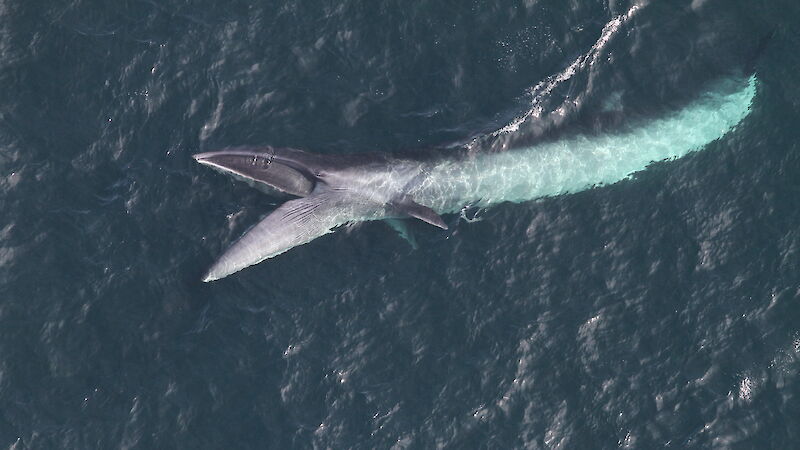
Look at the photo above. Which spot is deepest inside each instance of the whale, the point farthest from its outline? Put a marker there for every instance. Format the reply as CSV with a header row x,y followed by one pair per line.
x,y
327,191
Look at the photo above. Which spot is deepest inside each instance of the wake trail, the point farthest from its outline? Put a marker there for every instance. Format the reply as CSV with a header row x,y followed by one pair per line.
x,y
544,88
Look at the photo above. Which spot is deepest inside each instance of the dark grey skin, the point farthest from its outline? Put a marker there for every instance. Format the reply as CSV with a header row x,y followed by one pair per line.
x,y
330,191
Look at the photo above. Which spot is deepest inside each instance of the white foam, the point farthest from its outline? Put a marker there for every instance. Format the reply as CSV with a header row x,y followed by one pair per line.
x,y
543,89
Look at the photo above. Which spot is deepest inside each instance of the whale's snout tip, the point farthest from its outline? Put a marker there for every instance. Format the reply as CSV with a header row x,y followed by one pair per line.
x,y
211,275
201,157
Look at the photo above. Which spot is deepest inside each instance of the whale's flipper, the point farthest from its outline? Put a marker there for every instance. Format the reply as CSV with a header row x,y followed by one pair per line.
x,y
294,223
413,209
402,229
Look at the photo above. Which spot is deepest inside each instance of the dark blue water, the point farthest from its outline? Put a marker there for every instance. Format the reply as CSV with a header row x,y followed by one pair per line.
x,y
663,310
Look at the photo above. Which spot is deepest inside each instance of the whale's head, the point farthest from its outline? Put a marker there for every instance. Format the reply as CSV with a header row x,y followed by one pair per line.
x,y
261,169
334,190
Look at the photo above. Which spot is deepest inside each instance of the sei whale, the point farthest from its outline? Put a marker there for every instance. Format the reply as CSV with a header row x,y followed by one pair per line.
x,y
337,190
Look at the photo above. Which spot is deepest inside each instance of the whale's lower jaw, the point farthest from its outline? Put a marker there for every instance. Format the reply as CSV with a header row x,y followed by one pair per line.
x,y
547,169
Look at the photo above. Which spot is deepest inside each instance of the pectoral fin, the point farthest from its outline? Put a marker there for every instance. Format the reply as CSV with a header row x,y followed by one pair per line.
x,y
421,212
402,229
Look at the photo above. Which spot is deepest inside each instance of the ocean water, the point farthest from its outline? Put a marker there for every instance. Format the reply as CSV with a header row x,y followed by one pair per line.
x,y
662,310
